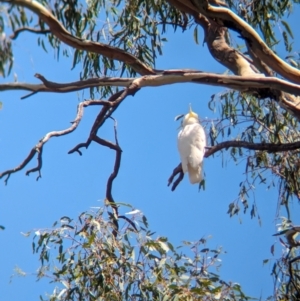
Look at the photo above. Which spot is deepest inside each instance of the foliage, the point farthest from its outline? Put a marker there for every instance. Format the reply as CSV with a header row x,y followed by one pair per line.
x,y
253,119
86,261
137,27
90,259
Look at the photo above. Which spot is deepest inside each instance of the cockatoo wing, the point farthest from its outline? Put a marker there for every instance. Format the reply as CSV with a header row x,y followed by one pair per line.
x,y
191,146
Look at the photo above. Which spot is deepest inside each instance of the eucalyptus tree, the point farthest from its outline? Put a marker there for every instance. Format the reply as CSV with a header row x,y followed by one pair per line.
x,y
117,59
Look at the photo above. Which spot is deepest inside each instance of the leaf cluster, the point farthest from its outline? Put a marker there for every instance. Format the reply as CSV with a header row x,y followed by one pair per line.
x,y
253,119
267,16
87,262
136,26
6,52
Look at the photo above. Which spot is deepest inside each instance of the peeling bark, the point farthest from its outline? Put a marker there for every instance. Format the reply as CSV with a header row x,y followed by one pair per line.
x,y
229,19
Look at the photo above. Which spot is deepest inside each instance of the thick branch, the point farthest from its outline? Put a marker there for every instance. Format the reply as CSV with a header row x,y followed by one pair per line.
x,y
257,45
62,34
270,86
167,77
216,39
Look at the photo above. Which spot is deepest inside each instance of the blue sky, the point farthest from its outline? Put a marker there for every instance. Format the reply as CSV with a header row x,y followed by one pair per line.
x,y
147,134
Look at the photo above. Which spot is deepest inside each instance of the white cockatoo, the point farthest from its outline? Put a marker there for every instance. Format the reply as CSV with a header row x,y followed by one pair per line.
x,y
191,146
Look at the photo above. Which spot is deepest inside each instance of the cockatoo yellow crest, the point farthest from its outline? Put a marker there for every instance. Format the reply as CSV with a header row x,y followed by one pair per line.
x,y
191,146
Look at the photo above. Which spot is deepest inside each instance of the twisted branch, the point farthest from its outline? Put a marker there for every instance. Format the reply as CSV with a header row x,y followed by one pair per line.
x,y
114,101
230,20
38,148
115,146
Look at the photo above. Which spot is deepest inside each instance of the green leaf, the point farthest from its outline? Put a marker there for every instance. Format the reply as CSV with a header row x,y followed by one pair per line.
x,y
178,117
65,219
265,261
288,29
196,34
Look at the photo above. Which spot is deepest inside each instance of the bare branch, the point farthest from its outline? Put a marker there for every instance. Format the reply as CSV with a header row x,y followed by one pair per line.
x,y
112,176
65,36
166,77
38,168
82,84
32,30
49,86
106,111
21,166
279,90
39,147
112,104
268,147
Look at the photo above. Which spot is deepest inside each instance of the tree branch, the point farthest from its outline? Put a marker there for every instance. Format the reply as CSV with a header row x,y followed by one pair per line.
x,y
112,176
25,28
39,147
258,46
65,36
279,90
114,101
166,77
106,111
268,147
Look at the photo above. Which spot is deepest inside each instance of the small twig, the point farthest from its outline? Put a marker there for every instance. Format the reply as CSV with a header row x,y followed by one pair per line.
x,y
32,30
106,143
115,130
28,95
80,145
